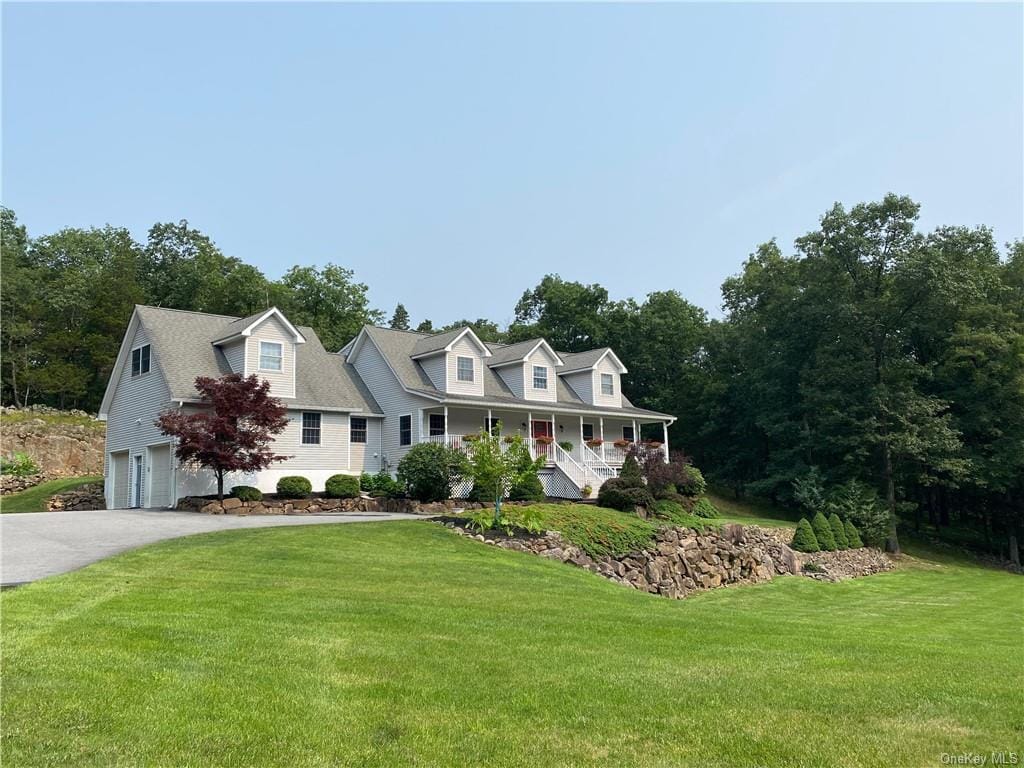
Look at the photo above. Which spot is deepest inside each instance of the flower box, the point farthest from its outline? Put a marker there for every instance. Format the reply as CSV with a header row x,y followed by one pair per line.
x,y
595,443
654,443
622,443
544,440
471,438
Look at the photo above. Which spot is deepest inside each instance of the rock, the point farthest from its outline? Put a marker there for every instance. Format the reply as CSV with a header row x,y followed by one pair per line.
x,y
231,503
213,508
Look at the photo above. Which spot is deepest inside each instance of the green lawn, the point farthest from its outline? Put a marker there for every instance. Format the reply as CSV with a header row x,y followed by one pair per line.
x,y
385,644
35,498
751,511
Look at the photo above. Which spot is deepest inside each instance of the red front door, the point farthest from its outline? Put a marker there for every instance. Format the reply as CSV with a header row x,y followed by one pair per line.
x,y
542,429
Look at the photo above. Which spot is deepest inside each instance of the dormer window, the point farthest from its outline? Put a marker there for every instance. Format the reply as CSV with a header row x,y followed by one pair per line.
x,y
540,377
271,353
465,368
608,384
140,360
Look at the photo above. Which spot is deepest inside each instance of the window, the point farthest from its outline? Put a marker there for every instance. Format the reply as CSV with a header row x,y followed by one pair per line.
x,y
588,431
627,433
436,424
607,384
357,429
311,429
540,377
405,430
465,368
270,356
491,425
140,360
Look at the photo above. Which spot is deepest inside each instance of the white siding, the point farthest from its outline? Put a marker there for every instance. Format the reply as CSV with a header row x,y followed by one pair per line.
x,y
282,383
235,355
614,401
136,403
540,357
332,453
465,348
393,400
512,375
434,367
365,457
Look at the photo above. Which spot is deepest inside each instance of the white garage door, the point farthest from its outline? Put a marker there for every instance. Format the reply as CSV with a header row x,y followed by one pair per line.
x,y
119,466
160,476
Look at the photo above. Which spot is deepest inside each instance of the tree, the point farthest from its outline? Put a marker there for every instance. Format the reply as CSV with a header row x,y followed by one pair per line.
x,y
328,300
571,316
400,319
496,466
483,328
425,327
232,430
804,539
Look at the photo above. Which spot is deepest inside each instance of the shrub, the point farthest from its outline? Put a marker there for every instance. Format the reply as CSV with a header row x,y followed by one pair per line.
x,y
676,513
247,493
838,531
366,482
852,535
704,508
294,487
692,482
527,487
804,539
341,487
385,485
19,465
860,504
429,470
566,446
630,473
586,491
622,494
823,533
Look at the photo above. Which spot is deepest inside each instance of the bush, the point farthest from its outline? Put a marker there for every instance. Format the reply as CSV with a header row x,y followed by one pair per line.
x,y
823,533
19,465
566,446
622,494
630,473
838,532
366,482
247,493
859,503
704,508
852,535
429,470
527,487
804,539
294,487
692,482
342,487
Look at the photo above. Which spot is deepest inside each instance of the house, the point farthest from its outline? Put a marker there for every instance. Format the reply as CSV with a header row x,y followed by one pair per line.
x,y
361,408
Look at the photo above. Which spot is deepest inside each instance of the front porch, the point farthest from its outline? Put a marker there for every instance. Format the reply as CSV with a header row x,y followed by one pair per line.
x,y
581,450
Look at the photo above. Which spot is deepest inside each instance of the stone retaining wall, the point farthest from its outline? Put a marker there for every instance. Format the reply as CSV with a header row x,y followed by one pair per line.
x,y
274,506
681,561
87,497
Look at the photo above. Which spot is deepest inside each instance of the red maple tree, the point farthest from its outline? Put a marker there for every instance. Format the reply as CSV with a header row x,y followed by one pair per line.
x,y
233,429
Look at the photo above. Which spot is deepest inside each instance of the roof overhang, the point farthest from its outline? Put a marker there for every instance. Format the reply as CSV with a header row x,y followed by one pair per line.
x,y
607,353
520,360
119,363
297,337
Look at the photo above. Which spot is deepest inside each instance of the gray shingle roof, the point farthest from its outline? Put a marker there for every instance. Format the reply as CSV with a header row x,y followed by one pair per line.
x,y
435,342
509,353
581,361
182,343
398,346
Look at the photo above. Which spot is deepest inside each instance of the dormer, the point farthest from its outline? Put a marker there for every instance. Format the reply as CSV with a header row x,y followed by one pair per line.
x,y
454,361
529,368
264,344
595,376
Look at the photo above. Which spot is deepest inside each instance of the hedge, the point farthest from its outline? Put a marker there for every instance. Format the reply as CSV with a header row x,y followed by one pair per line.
x,y
294,487
342,487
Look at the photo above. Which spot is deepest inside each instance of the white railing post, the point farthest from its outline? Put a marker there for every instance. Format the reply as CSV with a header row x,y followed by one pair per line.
x,y
664,431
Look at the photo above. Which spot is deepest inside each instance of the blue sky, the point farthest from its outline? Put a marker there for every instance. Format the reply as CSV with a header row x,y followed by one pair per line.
x,y
454,154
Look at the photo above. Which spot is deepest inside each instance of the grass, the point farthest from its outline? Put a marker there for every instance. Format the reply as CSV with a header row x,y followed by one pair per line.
x,y
596,530
35,498
382,644
751,512
62,418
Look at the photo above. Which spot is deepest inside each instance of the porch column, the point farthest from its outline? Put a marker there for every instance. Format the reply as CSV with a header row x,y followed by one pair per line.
x,y
554,429
419,426
664,431
446,424
636,437
487,426
601,421
582,441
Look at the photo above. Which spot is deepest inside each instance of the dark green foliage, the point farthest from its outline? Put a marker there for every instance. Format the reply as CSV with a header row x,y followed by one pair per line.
x,y
366,482
675,477
853,539
429,470
527,487
566,446
704,508
400,319
247,493
804,539
294,487
838,531
860,504
624,494
342,487
823,533
692,482
630,473
595,530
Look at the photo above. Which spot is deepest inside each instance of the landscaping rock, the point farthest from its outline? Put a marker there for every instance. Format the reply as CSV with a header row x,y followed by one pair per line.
x,y
87,497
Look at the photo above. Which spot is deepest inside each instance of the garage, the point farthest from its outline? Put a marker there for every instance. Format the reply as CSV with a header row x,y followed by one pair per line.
x,y
119,467
160,475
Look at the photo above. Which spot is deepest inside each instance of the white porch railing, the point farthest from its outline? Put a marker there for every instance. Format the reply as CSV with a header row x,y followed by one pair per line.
x,y
595,463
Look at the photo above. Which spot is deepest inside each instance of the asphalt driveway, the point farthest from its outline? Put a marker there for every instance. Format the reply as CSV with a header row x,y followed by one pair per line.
x,y
34,545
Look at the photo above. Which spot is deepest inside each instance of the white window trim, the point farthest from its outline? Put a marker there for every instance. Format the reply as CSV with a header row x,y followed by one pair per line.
x,y
400,417
459,370
366,430
534,377
612,377
302,429
131,357
280,356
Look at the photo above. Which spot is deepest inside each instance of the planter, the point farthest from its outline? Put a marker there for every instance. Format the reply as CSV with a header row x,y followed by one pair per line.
x,y
622,444
654,444
595,443
544,440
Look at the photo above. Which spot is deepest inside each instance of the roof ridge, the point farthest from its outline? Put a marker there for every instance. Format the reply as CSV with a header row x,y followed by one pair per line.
x,y
187,311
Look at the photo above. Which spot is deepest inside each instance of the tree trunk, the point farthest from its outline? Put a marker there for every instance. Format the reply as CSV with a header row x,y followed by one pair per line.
x,y
1014,550
892,541
497,507
220,485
